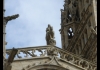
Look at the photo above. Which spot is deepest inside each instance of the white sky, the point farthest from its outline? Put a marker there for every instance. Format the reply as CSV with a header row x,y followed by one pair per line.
x,y
29,29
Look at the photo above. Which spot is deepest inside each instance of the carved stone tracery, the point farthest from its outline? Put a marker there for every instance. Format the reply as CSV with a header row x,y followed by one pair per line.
x,y
54,51
71,8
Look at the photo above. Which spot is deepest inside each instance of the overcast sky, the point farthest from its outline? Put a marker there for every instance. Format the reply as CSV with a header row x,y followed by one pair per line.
x,y
29,29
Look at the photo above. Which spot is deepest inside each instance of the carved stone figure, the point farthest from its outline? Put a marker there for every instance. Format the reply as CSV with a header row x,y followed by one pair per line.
x,y
8,18
52,42
49,34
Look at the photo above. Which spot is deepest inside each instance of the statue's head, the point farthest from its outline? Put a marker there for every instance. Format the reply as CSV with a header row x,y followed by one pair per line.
x,y
48,25
17,15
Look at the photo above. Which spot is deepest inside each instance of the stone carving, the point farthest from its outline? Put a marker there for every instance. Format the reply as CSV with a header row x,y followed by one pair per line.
x,y
71,7
50,35
5,20
93,30
52,42
74,10
43,54
8,18
69,58
54,51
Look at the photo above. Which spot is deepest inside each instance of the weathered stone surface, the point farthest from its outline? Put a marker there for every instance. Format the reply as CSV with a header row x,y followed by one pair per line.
x,y
79,45
81,17
5,21
50,35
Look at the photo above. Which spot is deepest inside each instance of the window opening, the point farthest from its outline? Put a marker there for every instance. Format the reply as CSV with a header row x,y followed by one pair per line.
x,y
70,33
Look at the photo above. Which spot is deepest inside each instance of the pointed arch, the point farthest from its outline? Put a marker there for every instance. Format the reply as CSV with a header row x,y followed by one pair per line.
x,y
70,32
47,67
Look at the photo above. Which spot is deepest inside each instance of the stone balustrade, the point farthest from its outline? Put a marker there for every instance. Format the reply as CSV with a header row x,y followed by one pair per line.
x,y
44,51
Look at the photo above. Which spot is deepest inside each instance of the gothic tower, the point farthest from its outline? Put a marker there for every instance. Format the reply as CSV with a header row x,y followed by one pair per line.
x,y
78,28
69,21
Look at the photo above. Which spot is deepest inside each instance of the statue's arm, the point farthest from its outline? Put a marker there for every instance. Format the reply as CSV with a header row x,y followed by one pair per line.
x,y
8,18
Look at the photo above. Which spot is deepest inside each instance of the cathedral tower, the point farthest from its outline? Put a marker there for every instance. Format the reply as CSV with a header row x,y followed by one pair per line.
x,y
69,21
78,28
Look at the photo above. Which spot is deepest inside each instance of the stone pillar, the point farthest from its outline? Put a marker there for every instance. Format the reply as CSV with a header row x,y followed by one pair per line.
x,y
95,11
5,20
4,43
3,29
4,55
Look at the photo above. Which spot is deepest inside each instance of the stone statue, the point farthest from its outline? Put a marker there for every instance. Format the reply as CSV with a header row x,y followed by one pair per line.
x,y
49,35
9,18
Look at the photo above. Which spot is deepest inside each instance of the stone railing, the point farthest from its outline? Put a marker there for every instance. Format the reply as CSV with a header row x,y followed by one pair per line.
x,y
42,51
